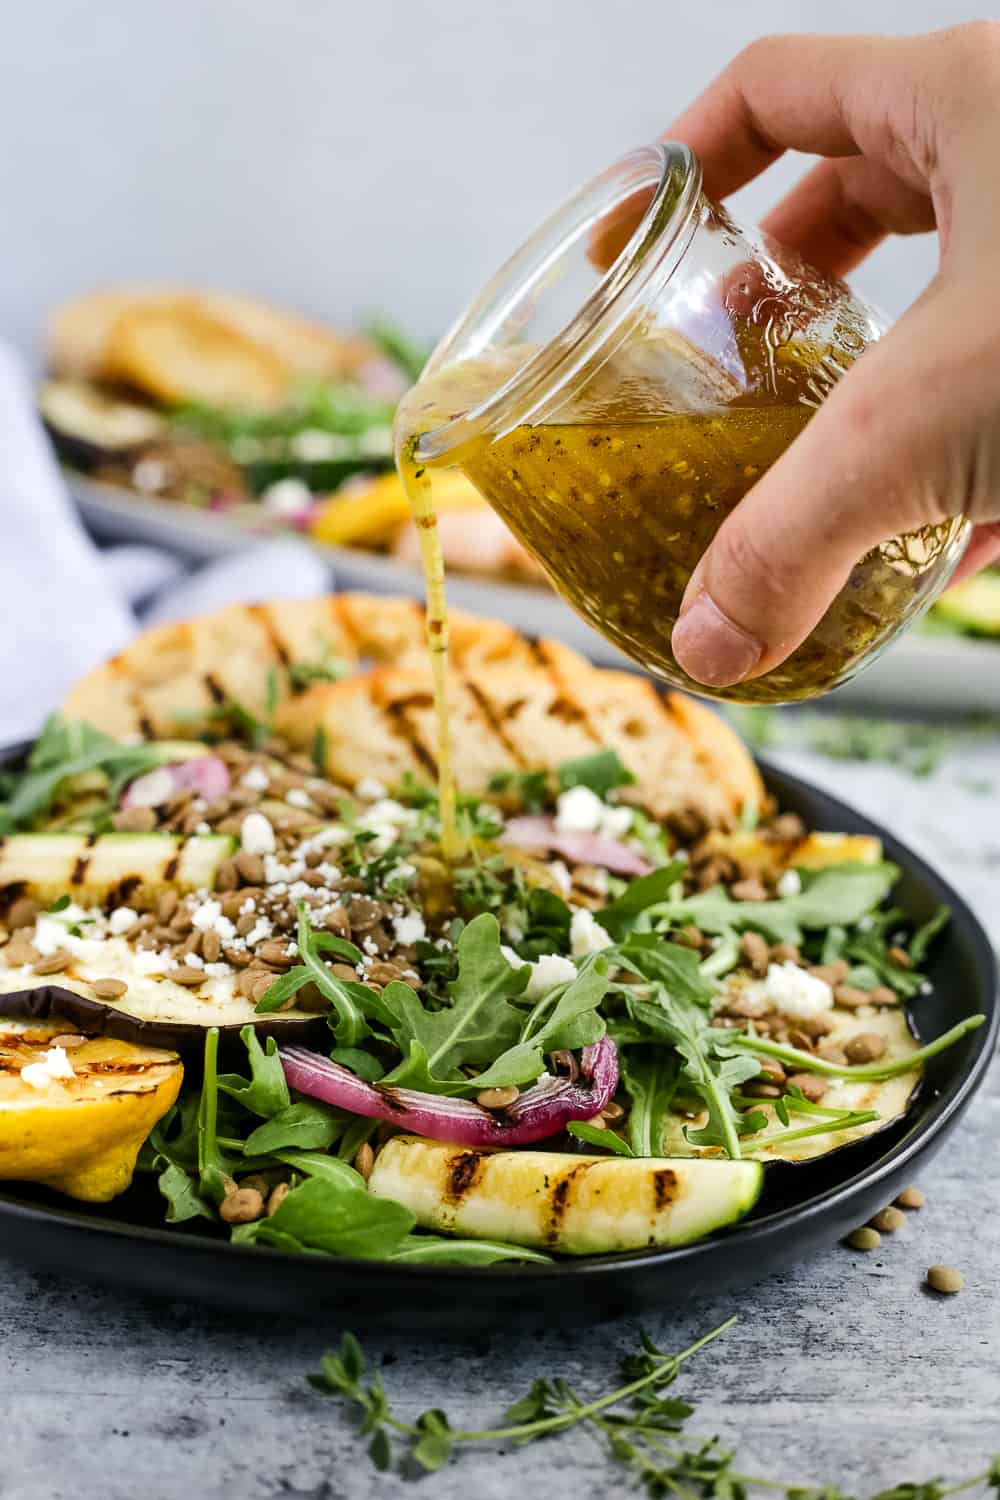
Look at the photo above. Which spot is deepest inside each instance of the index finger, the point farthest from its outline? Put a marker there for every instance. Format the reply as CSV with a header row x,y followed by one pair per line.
x,y
827,95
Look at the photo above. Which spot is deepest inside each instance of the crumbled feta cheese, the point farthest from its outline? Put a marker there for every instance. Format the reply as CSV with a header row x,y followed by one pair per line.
x,y
257,835
313,446
548,971
205,916
579,810
153,789
794,992
218,971
561,876
298,798
370,947
261,930
121,920
256,779
202,828
146,962
50,936
286,497
371,790
52,1064
586,935
385,819
193,961
409,928
790,884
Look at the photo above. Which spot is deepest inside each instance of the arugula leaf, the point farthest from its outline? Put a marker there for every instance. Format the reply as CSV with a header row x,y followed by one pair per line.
x,y
336,1217
532,788
712,1069
570,1022
601,772
365,1064
183,1199
837,896
350,1001
213,1170
307,1124
669,964
65,749
925,935
318,1164
594,1135
648,890
479,1022
547,924
650,1075
266,1092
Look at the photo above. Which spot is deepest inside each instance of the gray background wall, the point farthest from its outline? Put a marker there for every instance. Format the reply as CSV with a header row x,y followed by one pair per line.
x,y
344,157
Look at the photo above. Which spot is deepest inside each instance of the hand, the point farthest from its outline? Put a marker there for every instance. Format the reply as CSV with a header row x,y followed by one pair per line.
x,y
909,131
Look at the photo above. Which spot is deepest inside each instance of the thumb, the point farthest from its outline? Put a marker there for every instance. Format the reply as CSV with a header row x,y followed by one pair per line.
x,y
898,445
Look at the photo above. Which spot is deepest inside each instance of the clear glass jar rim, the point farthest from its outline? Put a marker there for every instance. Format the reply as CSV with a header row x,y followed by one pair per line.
x,y
652,253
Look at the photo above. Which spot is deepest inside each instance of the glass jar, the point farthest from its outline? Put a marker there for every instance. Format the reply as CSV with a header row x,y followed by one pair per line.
x,y
614,417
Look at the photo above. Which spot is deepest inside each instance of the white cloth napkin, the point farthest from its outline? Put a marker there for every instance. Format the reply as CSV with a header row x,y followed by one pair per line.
x,y
66,605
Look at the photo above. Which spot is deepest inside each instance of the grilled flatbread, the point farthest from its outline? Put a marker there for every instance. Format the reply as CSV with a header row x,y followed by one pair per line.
x,y
514,704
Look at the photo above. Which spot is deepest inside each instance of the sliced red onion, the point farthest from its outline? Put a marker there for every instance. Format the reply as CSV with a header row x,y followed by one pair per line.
x,y
541,1111
205,775
538,834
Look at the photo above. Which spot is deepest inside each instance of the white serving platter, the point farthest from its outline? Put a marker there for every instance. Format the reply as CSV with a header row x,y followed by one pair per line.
x,y
919,672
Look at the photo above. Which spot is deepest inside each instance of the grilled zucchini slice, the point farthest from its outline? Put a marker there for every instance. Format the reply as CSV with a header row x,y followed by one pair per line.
x,y
49,865
579,1205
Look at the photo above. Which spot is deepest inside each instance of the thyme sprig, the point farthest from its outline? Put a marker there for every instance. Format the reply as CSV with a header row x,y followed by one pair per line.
x,y
643,1430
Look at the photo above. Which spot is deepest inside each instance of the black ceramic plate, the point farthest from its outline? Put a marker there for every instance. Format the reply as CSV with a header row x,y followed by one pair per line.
x,y
802,1207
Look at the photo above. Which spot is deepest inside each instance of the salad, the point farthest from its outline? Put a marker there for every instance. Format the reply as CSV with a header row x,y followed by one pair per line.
x,y
232,966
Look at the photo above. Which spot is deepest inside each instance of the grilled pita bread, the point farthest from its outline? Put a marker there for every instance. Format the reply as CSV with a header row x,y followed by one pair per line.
x,y
175,345
514,705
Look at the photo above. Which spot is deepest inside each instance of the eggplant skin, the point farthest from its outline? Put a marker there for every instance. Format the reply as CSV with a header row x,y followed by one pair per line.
x,y
80,1136
97,1018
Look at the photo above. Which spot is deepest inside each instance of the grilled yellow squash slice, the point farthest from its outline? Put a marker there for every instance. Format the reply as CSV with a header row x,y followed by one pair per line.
x,y
74,1110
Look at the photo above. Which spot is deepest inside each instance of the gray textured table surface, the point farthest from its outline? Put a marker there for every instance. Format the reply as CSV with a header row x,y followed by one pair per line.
x,y
844,1370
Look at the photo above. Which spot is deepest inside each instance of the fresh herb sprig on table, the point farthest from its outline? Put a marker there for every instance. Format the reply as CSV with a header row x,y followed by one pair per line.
x,y
643,1430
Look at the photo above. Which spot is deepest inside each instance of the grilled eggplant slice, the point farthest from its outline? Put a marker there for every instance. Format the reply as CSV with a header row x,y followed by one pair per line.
x,y
153,1012
88,426
77,1125
48,865
579,1205
891,1098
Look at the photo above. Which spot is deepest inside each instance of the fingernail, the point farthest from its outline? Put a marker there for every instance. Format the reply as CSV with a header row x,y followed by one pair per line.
x,y
711,647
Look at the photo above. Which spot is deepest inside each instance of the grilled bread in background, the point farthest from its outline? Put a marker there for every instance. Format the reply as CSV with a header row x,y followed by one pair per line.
x,y
514,703
175,346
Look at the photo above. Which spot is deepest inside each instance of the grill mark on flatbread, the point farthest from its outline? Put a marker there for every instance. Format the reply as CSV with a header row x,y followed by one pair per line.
x,y
262,614
400,726
215,690
146,725
493,720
